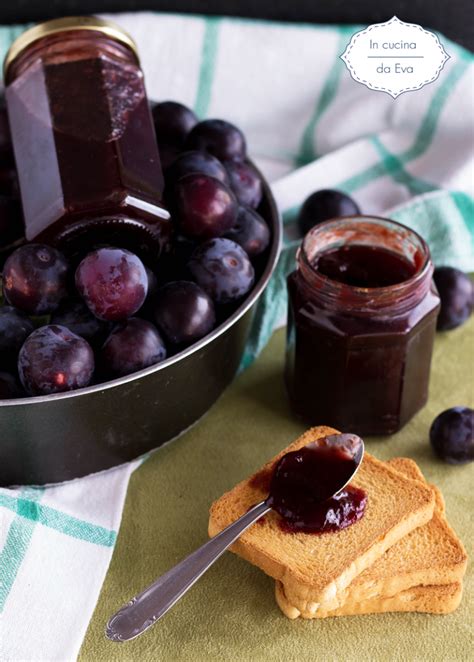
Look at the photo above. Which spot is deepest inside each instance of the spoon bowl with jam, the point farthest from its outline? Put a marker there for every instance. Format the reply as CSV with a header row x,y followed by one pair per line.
x,y
308,489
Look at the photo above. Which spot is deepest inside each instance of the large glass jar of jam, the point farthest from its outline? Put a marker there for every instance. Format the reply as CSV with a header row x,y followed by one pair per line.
x,y
83,137
361,325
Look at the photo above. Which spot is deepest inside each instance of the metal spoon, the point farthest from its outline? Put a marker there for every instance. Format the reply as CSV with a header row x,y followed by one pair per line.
x,y
147,607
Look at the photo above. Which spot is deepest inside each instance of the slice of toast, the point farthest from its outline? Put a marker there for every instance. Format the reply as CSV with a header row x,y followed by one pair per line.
x,y
436,599
429,555
316,567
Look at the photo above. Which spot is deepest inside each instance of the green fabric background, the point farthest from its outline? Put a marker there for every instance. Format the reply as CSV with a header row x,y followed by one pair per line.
x,y
231,614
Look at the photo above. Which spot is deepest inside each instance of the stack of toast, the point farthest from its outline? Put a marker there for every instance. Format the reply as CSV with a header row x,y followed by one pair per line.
x,y
401,556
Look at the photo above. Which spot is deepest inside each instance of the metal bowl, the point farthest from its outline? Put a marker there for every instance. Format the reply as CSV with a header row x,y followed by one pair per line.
x,y
50,439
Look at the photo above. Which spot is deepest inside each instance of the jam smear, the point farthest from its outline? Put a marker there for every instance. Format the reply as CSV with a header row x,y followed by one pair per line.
x,y
339,512
364,266
303,485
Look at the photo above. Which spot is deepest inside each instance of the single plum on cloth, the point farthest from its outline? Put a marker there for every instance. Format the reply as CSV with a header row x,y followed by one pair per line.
x,y
309,126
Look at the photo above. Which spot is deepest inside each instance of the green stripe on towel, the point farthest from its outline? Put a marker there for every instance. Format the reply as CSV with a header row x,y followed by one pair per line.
x,y
423,139
465,206
415,185
208,62
18,538
59,521
308,151
29,513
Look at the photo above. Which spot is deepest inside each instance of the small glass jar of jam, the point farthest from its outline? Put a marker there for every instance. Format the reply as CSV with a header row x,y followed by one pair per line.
x,y
361,325
83,137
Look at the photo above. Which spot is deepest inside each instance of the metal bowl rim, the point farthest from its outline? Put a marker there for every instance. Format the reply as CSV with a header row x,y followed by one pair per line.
x,y
195,347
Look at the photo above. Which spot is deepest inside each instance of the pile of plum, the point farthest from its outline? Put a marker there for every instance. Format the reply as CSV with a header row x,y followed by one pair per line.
x,y
66,324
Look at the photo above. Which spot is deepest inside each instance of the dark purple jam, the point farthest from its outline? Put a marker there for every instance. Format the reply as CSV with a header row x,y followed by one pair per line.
x,y
339,512
361,324
364,266
302,486
85,145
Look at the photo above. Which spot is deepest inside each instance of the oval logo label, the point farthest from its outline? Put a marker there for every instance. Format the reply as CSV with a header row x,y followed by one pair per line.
x,y
394,57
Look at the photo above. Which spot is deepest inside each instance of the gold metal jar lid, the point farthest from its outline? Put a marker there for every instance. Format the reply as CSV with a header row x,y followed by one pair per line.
x,y
67,24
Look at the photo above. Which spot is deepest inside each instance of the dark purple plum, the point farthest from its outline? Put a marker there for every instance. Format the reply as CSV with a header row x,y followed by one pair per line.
x,y
113,282
54,360
220,138
35,278
203,206
184,313
76,316
223,269
245,182
152,283
146,311
15,327
10,387
132,345
195,162
452,435
168,155
173,122
250,231
324,205
456,291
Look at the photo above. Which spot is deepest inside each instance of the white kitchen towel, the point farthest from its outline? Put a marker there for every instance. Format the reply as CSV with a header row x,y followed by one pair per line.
x,y
56,544
309,126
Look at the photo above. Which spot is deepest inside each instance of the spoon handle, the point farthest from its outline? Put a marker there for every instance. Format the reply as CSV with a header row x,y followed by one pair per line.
x,y
147,607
